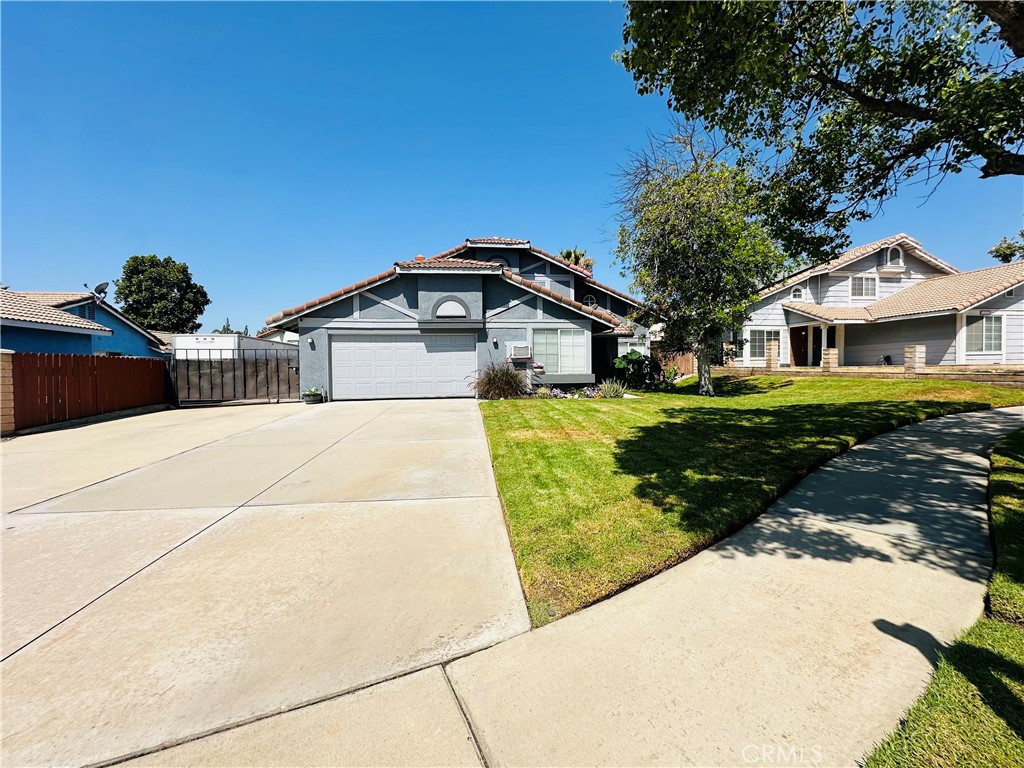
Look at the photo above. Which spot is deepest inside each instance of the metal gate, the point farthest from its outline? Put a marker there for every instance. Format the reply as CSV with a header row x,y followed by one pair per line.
x,y
216,376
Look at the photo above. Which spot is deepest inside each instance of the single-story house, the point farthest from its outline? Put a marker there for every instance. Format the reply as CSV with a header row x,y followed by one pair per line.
x,y
425,327
28,326
71,322
872,301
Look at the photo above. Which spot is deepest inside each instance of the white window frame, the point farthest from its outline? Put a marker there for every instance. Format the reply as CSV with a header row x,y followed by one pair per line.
x,y
558,347
1002,335
1010,293
874,281
899,261
792,293
750,342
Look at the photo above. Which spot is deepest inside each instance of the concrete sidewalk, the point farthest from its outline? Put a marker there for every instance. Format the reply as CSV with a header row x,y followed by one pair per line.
x,y
801,640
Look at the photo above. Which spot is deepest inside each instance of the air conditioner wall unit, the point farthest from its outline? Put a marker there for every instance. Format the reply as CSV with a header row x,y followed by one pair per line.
x,y
519,351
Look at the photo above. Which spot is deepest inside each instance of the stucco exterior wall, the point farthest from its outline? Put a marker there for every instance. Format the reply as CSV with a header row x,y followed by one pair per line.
x,y
49,342
125,339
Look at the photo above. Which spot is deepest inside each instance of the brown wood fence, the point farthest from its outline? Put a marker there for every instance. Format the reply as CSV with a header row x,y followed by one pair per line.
x,y
54,388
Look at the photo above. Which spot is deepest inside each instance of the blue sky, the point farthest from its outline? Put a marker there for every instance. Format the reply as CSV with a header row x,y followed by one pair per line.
x,y
286,150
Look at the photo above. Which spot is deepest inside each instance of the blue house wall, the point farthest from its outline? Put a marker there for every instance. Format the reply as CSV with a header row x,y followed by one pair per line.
x,y
125,339
54,342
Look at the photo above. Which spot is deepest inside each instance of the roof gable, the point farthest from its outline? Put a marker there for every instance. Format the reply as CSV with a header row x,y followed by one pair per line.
x,y
909,244
17,309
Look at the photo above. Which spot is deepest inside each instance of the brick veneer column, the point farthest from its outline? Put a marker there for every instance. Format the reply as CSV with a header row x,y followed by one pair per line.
x,y
829,359
913,360
771,355
6,391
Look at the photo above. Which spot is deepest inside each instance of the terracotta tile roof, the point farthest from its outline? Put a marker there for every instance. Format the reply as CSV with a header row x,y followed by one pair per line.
x,y
828,313
449,263
15,306
334,296
949,293
56,298
909,244
604,317
166,338
497,241
477,241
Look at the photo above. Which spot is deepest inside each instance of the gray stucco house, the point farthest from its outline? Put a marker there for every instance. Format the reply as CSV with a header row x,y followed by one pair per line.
x,y
872,301
424,327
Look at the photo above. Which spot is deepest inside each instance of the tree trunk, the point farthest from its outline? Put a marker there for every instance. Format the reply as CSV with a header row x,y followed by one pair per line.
x,y
704,385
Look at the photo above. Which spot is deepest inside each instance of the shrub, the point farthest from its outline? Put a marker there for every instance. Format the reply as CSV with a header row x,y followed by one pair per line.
x,y
612,388
640,371
543,393
499,381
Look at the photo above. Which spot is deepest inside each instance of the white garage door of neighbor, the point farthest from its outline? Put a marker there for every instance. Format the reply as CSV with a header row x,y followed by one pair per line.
x,y
413,365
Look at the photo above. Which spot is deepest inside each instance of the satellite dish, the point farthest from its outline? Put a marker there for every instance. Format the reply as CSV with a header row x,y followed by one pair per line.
x,y
101,291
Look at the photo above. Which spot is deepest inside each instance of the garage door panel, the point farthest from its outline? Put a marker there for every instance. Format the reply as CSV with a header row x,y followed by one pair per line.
x,y
402,365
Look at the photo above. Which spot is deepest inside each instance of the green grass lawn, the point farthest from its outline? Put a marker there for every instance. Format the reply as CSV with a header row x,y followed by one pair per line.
x,y
973,711
600,494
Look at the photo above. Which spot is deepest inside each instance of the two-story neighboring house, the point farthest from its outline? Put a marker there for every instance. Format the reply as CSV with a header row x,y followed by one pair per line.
x,y
873,300
425,327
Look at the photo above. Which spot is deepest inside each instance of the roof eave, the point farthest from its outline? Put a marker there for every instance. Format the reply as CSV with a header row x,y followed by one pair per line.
x,y
54,327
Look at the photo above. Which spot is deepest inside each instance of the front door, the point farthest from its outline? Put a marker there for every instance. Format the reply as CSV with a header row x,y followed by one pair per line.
x,y
816,346
798,346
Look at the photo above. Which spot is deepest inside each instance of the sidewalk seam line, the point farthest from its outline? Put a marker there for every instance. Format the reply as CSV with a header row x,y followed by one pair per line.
x,y
466,719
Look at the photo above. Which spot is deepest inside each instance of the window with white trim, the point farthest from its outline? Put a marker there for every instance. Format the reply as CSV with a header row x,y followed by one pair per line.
x,y
797,293
561,351
759,342
894,256
864,287
1010,293
984,333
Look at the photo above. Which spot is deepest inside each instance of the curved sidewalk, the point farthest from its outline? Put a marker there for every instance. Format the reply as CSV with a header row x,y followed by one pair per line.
x,y
801,640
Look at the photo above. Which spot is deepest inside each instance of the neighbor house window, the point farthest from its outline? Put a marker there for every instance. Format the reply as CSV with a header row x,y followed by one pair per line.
x,y
590,300
1010,293
894,256
984,333
797,293
759,343
864,287
88,311
561,351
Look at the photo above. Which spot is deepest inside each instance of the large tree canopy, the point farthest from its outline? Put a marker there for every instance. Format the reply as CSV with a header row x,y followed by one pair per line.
x,y
160,294
838,103
697,249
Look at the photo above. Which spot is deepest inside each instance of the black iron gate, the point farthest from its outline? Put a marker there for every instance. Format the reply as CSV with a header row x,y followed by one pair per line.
x,y
216,376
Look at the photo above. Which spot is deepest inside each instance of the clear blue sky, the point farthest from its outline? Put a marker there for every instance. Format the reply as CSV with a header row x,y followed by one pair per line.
x,y
286,150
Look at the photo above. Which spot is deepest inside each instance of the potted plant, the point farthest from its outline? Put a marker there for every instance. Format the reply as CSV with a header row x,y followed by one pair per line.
x,y
313,396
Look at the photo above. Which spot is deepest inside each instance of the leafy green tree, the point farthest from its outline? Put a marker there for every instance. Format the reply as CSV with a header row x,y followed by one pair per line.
x,y
698,250
840,103
226,328
161,294
1007,250
578,256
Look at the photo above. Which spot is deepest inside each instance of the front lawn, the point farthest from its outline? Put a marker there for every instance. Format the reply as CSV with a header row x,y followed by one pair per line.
x,y
973,711
600,494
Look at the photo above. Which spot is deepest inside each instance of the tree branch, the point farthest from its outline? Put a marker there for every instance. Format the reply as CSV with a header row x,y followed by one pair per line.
x,y
1009,17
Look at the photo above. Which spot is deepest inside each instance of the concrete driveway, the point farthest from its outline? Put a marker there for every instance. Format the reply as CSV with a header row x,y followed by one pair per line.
x,y
174,574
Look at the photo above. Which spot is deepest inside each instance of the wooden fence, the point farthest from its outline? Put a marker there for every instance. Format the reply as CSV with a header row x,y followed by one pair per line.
x,y
54,388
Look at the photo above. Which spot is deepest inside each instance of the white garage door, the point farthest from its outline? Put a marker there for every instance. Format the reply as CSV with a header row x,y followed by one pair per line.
x,y
413,365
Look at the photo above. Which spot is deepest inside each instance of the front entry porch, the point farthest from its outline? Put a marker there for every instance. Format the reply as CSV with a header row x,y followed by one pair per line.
x,y
807,341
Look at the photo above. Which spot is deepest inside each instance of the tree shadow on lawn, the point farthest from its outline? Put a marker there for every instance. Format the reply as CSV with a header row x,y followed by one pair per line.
x,y
716,468
987,670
